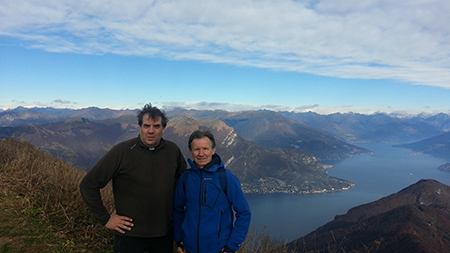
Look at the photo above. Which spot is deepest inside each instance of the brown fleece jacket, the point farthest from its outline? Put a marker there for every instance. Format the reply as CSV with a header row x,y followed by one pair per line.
x,y
143,184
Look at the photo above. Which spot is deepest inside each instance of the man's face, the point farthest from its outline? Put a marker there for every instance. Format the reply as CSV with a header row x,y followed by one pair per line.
x,y
202,151
151,131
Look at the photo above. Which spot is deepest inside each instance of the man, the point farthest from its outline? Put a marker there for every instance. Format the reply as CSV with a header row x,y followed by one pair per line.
x,y
205,198
144,171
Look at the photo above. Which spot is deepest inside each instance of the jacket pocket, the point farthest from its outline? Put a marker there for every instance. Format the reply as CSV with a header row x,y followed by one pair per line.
x,y
210,195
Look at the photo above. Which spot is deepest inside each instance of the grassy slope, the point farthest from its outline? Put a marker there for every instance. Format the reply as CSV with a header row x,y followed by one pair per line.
x,y
40,207
23,230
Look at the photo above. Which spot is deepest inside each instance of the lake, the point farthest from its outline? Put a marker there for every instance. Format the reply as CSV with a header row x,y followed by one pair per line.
x,y
387,171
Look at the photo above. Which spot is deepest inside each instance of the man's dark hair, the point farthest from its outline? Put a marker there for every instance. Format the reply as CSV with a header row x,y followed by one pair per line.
x,y
198,134
153,113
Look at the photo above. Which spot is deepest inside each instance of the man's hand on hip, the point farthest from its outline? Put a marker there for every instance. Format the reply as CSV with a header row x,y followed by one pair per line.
x,y
119,223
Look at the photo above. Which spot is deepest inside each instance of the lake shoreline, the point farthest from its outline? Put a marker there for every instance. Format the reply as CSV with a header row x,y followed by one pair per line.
x,y
386,171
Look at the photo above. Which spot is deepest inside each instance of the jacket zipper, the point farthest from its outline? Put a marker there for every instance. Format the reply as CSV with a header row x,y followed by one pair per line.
x,y
220,225
199,211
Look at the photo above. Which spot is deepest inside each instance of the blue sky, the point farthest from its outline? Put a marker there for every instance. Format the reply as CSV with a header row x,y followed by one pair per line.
x,y
323,56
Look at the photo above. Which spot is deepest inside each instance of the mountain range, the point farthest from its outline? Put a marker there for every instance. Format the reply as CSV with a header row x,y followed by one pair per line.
x,y
267,128
378,127
416,219
23,116
282,152
274,130
260,169
308,131
78,141
438,146
348,127
83,142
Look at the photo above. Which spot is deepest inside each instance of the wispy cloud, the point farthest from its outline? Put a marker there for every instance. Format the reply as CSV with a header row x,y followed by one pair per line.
x,y
231,107
62,101
57,103
402,40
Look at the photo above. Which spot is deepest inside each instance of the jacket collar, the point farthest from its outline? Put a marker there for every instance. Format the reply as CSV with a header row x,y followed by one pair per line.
x,y
161,144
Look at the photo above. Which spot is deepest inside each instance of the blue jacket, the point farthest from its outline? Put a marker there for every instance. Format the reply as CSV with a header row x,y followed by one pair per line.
x,y
203,212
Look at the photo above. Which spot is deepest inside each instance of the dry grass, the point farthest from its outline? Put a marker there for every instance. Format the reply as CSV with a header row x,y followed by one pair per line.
x,y
41,209
257,243
36,185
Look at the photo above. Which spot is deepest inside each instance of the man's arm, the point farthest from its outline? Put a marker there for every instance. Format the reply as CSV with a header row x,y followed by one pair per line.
x,y
182,166
243,214
96,179
179,211
90,192
92,198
